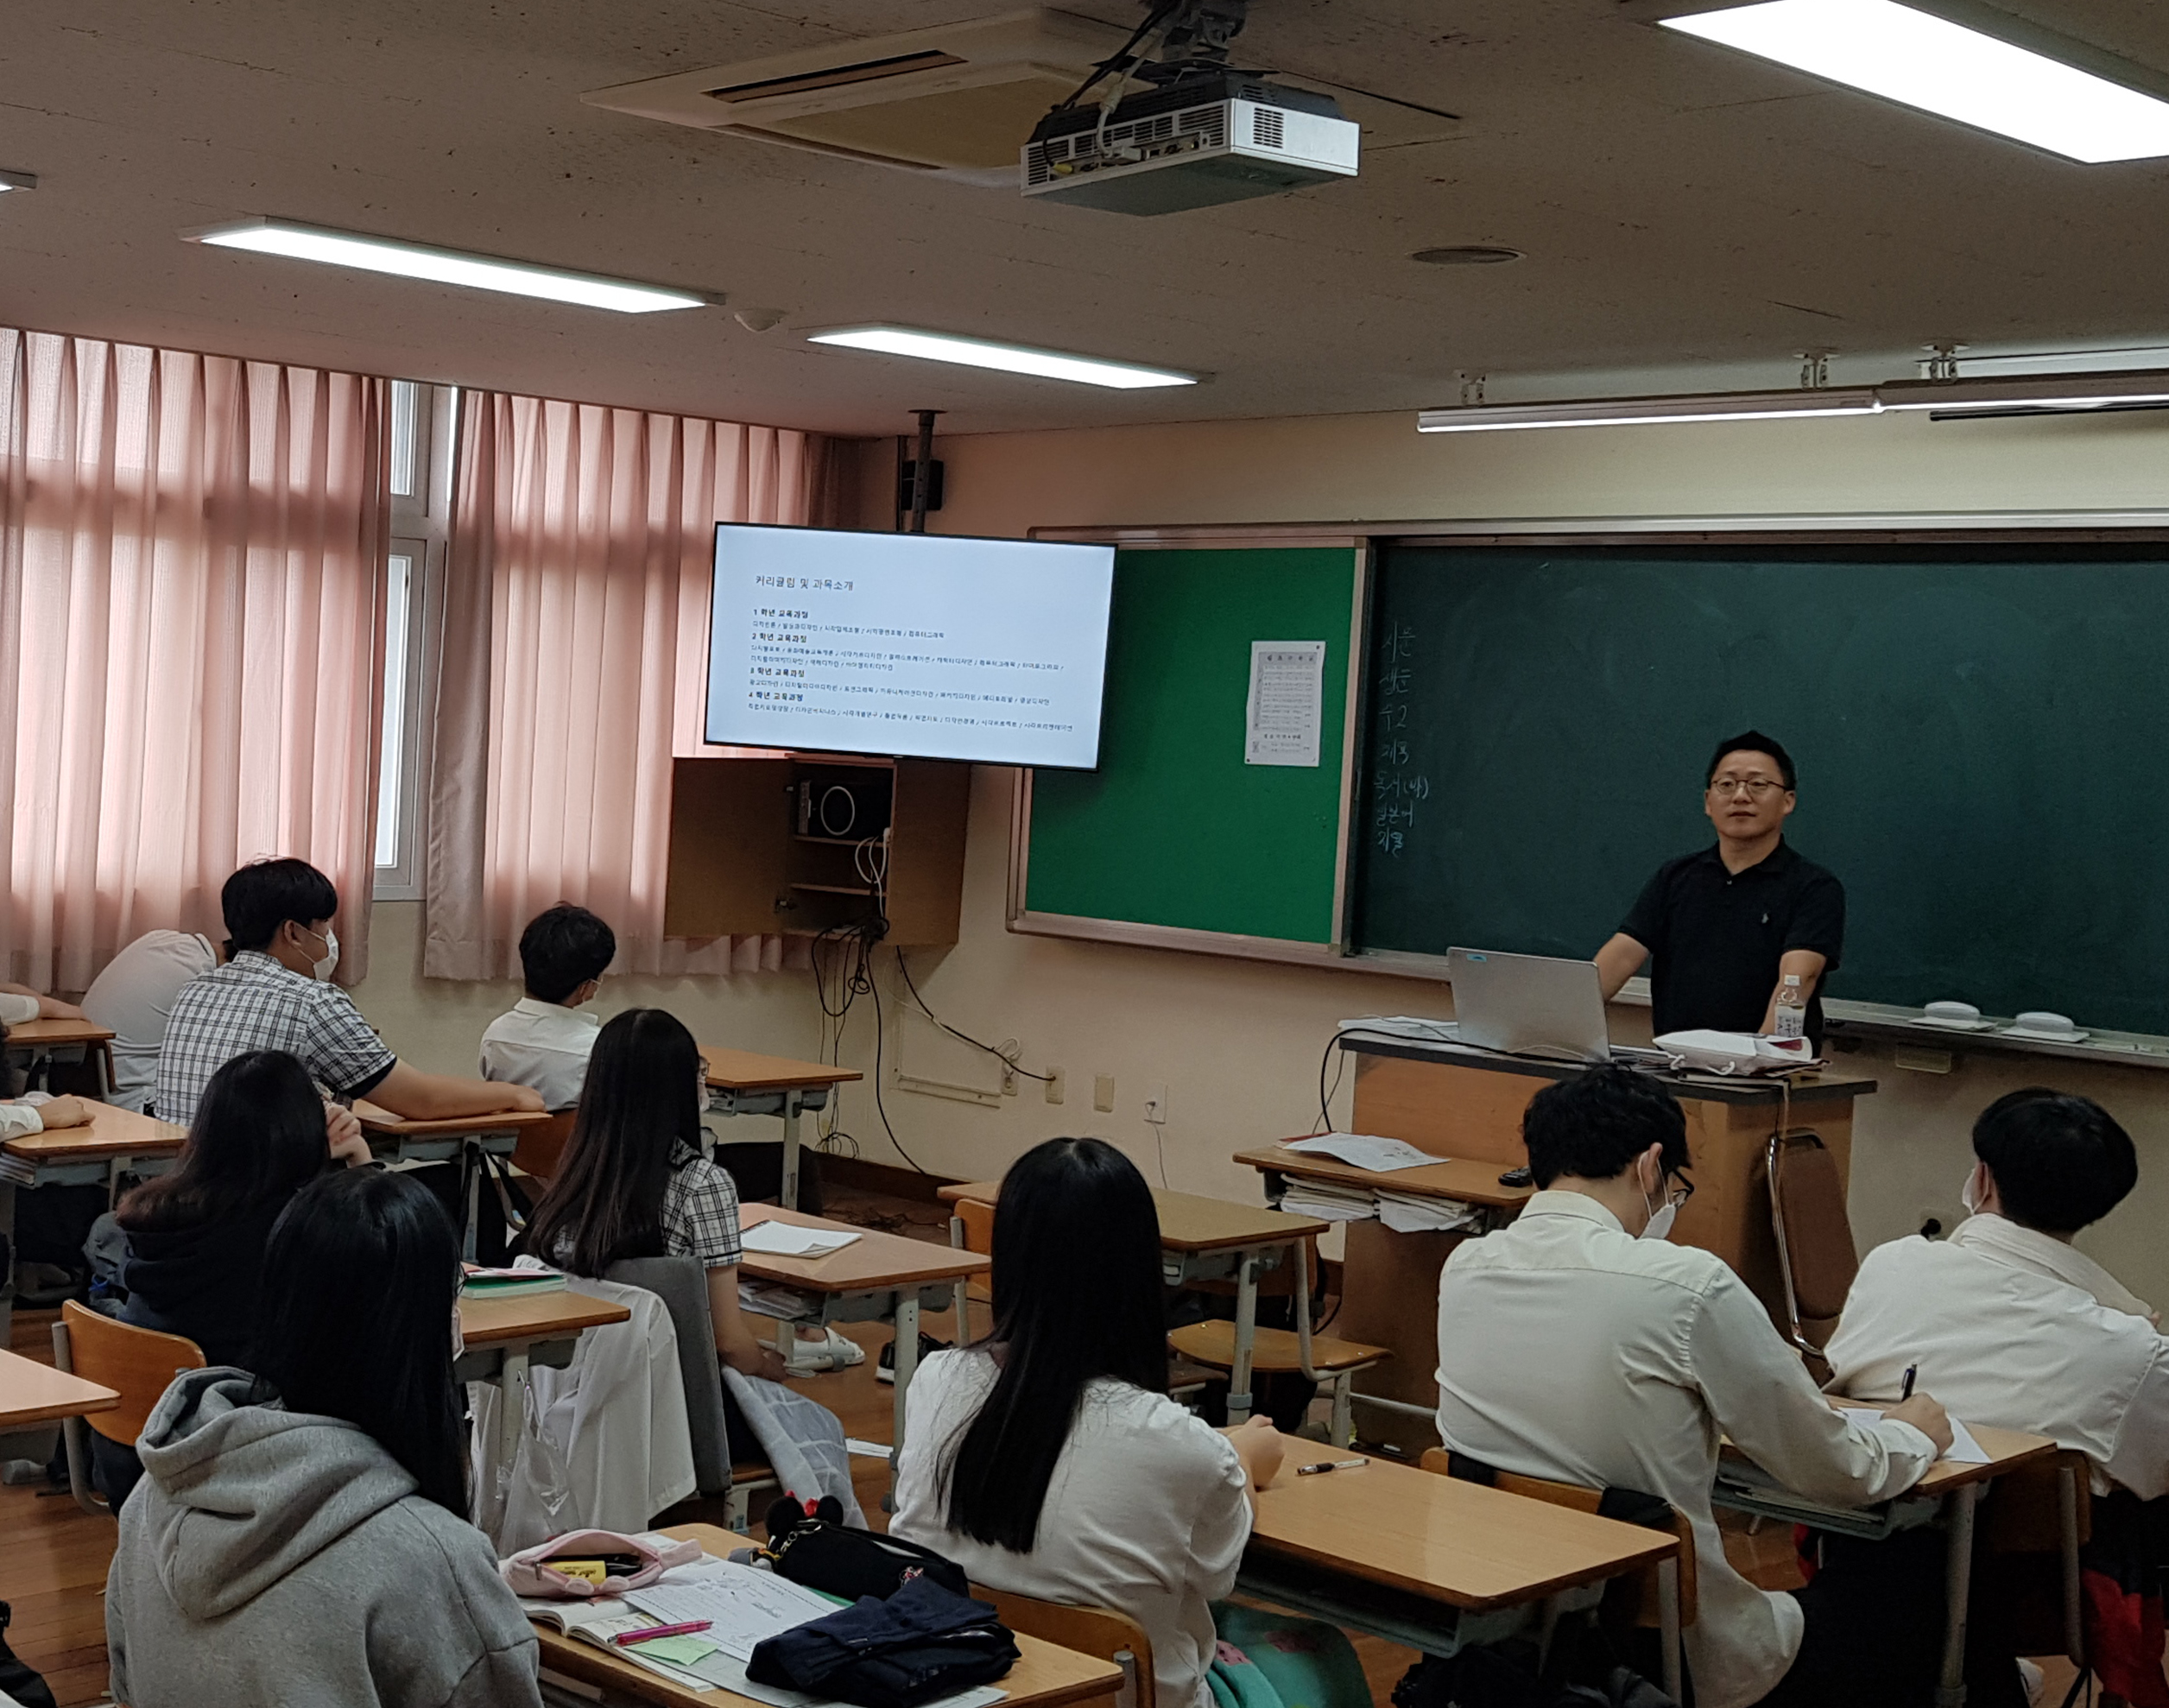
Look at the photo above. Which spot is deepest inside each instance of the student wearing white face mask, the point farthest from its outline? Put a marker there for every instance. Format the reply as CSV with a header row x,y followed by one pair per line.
x,y
1581,1345
274,993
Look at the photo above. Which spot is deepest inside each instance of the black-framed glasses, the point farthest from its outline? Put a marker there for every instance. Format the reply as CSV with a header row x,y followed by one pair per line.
x,y
1758,787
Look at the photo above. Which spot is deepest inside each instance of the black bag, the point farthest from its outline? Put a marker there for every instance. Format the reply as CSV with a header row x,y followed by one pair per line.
x,y
824,1553
16,1679
921,1644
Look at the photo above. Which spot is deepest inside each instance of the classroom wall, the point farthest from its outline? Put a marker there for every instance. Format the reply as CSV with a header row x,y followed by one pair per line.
x,y
1237,1045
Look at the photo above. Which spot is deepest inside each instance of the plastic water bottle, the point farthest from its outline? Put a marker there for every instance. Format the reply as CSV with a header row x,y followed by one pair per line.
x,y
1791,1008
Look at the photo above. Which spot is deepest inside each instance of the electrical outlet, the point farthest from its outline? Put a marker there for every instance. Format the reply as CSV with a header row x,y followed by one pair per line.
x,y
1156,1106
1104,1093
1057,1084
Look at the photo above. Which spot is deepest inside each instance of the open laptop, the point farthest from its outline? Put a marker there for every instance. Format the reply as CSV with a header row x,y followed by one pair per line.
x,y
1529,1005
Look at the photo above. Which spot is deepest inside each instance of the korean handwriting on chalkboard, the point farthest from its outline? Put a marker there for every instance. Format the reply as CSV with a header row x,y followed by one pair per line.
x,y
1396,791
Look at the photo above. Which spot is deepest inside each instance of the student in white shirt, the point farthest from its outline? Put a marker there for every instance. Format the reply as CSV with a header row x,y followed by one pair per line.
x,y
133,999
1579,1344
1049,1460
20,1004
2011,1325
545,1040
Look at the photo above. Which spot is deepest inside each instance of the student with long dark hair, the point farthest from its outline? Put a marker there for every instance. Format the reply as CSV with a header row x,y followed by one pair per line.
x,y
634,1183
1049,1460
301,1534
196,1236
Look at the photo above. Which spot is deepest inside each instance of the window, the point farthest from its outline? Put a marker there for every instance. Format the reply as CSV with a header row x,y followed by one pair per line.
x,y
420,479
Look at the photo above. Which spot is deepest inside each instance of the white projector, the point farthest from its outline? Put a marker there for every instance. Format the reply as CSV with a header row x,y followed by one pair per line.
x,y
1194,143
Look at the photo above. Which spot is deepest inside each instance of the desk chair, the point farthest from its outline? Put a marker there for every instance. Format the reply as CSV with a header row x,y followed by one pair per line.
x,y
733,1472
137,1363
2033,1525
1663,1595
1098,1631
540,1149
1319,1358
1816,1260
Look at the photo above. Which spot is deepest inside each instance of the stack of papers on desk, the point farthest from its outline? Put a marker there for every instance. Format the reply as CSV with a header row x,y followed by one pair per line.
x,y
1329,1203
786,1239
1361,1150
1408,1027
1406,1213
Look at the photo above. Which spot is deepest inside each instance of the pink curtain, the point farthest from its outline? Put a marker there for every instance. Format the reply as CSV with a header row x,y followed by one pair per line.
x,y
576,618
190,623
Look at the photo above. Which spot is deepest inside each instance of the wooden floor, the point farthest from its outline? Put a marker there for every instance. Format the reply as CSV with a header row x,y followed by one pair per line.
x,y
54,1556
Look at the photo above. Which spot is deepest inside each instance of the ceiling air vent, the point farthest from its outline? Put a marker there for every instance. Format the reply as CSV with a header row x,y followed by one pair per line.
x,y
961,97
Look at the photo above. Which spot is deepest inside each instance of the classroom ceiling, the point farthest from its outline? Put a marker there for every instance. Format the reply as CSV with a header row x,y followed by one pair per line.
x,y
1690,218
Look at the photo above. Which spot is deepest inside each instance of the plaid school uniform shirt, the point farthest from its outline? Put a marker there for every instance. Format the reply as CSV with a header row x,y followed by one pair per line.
x,y
254,1003
700,1210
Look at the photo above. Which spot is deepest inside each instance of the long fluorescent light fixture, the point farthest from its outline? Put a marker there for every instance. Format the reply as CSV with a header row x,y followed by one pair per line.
x,y
1930,63
440,266
1721,406
1009,359
18,180
2029,391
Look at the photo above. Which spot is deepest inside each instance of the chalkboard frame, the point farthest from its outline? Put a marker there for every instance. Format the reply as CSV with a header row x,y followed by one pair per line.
x,y
1331,952
1856,1019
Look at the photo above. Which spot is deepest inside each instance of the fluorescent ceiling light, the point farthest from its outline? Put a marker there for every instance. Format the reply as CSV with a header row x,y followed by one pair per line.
x,y
440,266
18,180
2035,391
1942,67
1010,358
1723,406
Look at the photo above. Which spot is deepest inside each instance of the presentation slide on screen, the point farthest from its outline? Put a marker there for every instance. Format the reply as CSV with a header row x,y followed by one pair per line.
x,y
992,650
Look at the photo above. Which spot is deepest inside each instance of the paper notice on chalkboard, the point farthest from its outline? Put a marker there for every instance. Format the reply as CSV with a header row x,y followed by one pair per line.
x,y
1288,680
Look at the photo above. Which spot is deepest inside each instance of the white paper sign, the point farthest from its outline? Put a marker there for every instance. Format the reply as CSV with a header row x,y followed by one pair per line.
x,y
1286,697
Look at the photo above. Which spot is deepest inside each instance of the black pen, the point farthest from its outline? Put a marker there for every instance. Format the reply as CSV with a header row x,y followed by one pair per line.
x,y
1906,1392
1324,1465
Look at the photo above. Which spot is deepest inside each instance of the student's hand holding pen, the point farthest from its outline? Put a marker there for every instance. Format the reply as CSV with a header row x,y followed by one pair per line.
x,y
1926,1415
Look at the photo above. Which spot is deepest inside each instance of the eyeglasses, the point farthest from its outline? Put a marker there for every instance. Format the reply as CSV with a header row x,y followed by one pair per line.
x,y
1756,787
1682,1190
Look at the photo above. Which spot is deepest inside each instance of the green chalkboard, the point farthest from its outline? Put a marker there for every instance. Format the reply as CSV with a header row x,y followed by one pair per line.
x,y
1978,731
1173,828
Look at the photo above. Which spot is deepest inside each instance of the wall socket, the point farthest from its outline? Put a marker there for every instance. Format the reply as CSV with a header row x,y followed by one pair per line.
x,y
1156,1106
1057,1084
1104,1093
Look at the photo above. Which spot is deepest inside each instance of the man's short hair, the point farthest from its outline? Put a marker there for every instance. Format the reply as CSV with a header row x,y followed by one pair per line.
x,y
2060,1161
1753,741
1595,1124
561,949
264,895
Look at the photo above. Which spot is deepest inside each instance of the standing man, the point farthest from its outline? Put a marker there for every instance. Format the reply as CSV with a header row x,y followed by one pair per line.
x,y
1726,925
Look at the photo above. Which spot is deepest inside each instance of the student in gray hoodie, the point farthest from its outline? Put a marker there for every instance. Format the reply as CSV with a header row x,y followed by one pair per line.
x,y
300,1536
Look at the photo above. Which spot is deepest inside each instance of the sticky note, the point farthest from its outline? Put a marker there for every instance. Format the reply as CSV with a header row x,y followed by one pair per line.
x,y
592,1569
677,1651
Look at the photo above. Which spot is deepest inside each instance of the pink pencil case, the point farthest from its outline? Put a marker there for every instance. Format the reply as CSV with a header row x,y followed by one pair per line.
x,y
531,1573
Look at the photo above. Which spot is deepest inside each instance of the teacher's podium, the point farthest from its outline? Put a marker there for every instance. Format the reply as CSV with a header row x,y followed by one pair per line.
x,y
1467,1104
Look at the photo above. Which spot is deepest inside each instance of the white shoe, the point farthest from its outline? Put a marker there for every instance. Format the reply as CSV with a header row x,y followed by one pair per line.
x,y
834,1351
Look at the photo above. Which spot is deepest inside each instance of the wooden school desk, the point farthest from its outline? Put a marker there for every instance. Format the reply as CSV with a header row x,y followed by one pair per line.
x,y
1948,1489
742,1083
395,1138
31,1393
506,1338
1466,1104
876,1278
1045,1676
36,1040
1430,1561
114,1142
1209,1239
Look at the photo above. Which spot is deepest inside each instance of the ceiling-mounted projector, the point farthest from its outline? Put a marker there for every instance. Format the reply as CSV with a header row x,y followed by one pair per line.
x,y
1198,133
1222,137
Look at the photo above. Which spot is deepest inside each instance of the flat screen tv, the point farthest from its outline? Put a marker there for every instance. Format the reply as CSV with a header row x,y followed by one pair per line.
x,y
921,645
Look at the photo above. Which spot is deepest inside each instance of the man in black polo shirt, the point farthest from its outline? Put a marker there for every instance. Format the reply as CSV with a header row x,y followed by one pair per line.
x,y
1725,926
